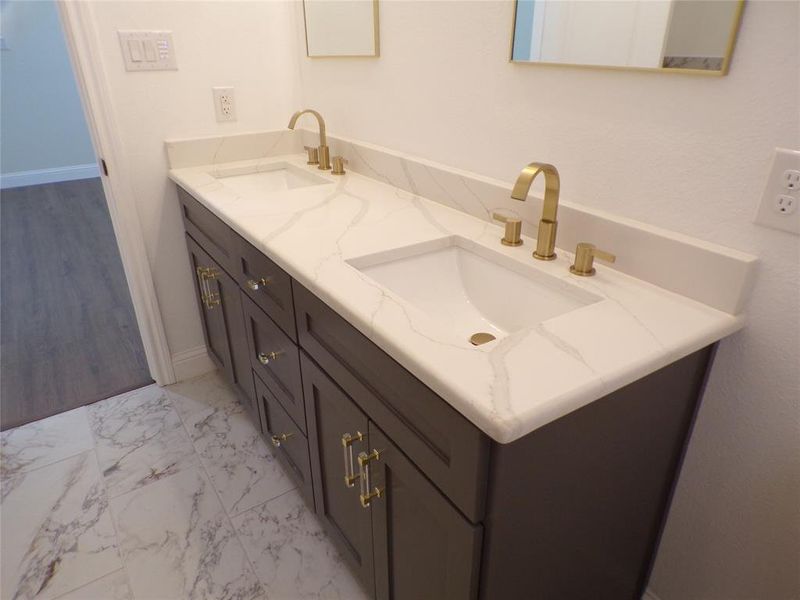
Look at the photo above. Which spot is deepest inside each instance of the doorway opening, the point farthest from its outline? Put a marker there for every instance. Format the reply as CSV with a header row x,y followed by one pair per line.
x,y
68,332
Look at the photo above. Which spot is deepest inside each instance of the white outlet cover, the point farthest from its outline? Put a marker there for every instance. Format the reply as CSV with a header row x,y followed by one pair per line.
x,y
778,195
224,104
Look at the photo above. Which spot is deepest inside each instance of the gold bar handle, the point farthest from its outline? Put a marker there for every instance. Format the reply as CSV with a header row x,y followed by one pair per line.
x,y
313,155
278,439
513,229
204,274
585,254
348,440
266,357
368,493
257,284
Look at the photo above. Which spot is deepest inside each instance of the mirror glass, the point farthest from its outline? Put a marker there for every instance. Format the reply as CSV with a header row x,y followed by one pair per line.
x,y
695,35
341,27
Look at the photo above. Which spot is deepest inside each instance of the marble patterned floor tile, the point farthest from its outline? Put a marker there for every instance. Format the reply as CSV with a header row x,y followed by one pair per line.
x,y
57,532
293,557
241,467
177,542
44,442
110,587
139,439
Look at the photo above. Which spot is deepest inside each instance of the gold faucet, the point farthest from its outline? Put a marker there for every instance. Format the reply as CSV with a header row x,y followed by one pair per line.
x,y
324,154
548,224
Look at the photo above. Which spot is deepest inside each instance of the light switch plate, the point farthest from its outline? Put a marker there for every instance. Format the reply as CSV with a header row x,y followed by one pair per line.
x,y
778,206
147,50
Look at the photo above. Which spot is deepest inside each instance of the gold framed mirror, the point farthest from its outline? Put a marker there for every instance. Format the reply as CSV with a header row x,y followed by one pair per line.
x,y
341,28
669,36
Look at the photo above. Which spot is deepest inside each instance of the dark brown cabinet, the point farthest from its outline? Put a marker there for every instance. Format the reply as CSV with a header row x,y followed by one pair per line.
x,y
219,300
423,546
337,432
420,502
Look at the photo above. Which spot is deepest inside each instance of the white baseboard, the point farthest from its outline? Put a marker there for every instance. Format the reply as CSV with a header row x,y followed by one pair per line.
x,y
649,595
40,176
191,363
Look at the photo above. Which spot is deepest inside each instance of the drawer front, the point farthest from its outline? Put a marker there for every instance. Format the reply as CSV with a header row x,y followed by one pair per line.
x,y
288,442
444,445
275,359
208,230
267,284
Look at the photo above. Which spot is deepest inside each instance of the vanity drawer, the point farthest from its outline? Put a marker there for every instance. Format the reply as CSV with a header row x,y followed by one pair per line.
x,y
451,451
275,359
208,230
267,284
289,443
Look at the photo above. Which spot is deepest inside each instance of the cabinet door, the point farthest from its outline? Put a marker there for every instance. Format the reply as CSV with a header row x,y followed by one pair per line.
x,y
331,415
220,305
424,548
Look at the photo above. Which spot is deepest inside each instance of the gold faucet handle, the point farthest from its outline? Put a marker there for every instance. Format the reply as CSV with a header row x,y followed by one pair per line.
x,y
313,155
338,165
585,254
513,229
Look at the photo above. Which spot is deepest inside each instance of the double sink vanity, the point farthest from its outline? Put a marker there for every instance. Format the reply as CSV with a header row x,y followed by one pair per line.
x,y
466,421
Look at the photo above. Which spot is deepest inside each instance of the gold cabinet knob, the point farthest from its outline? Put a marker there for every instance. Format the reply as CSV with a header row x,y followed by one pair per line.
x,y
266,357
513,229
257,284
338,165
585,254
277,440
313,155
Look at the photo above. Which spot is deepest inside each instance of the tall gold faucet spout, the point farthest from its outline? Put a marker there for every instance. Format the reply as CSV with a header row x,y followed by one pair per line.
x,y
323,140
546,240
323,151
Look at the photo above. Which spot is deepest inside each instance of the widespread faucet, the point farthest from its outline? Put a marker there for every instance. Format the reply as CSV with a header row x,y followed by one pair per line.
x,y
548,224
323,153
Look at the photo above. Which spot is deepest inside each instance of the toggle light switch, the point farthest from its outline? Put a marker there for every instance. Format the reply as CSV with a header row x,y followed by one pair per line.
x,y
147,50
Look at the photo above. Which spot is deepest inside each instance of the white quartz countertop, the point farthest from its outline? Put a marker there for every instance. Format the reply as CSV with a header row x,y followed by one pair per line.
x,y
508,387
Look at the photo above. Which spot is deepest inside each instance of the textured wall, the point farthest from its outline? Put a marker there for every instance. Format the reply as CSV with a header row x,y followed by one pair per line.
x,y
683,152
41,113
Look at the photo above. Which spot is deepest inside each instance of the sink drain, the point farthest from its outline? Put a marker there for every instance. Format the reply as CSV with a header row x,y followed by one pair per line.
x,y
476,339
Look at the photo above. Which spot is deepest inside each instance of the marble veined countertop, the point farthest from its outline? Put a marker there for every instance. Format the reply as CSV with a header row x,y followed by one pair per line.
x,y
507,387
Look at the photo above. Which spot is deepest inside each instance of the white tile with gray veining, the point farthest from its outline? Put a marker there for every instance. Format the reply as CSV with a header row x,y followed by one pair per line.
x,y
43,442
57,533
170,535
178,542
140,439
292,556
238,462
515,384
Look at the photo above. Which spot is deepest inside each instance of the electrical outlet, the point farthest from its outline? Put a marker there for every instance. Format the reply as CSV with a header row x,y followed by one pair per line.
x,y
791,179
224,104
778,207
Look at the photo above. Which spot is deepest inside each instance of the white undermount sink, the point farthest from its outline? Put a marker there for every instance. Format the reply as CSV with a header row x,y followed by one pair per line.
x,y
272,177
471,288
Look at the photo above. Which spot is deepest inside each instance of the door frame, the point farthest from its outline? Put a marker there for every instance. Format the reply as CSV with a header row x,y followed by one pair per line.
x,y
83,44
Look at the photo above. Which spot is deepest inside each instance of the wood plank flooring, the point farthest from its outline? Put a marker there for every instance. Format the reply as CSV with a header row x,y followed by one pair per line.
x,y
68,335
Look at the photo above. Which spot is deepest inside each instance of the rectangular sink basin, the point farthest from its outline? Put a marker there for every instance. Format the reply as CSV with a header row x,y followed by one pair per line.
x,y
273,177
471,288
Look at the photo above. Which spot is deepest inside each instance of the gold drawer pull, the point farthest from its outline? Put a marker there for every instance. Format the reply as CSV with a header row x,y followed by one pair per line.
x,y
266,357
277,439
204,274
350,477
256,285
368,493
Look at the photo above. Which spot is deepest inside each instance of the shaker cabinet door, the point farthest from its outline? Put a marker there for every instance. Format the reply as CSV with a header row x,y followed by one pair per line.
x,y
220,302
424,547
332,418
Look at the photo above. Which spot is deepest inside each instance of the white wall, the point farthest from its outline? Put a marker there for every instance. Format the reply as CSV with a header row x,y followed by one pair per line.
x,y
246,45
684,152
42,118
700,27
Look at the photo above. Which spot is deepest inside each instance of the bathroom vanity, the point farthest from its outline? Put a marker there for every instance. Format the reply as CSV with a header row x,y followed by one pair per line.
x,y
531,466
